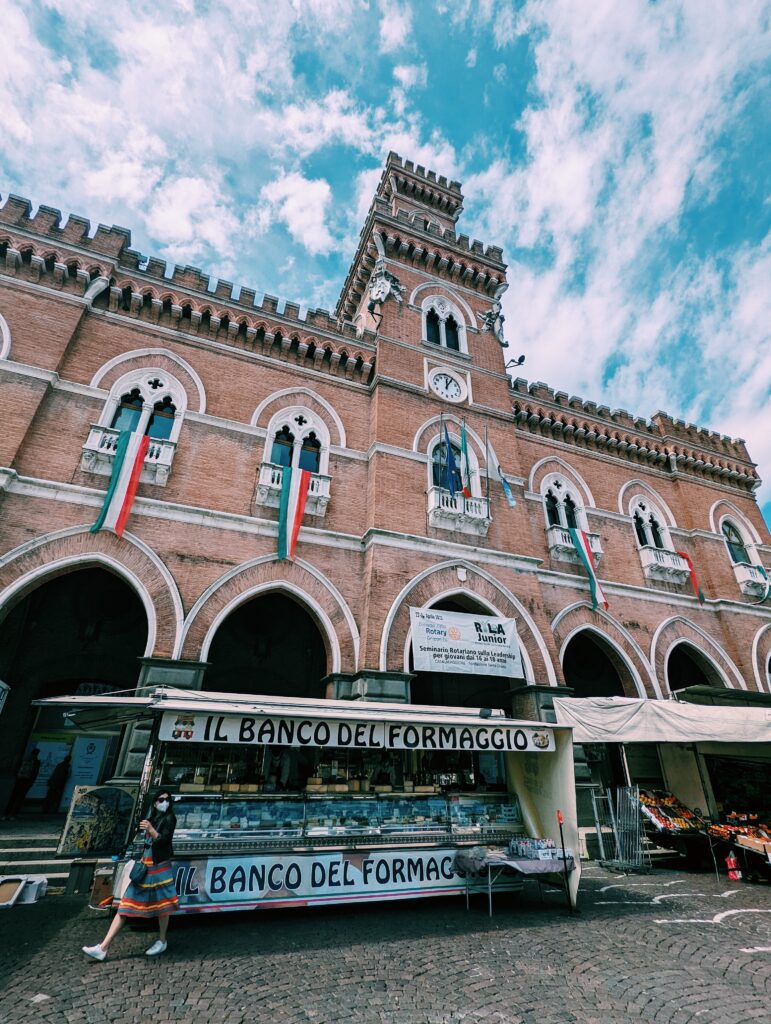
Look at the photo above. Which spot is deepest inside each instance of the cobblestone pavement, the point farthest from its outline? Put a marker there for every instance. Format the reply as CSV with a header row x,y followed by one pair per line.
x,y
667,948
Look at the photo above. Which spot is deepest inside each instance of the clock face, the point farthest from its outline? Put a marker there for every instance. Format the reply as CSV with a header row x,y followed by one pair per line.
x,y
446,386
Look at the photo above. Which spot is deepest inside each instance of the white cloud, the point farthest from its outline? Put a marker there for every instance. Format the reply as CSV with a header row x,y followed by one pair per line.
x,y
631,103
190,214
395,25
302,205
411,76
471,58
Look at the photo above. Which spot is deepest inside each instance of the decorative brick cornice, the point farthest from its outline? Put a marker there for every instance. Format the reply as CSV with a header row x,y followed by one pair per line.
x,y
663,443
182,302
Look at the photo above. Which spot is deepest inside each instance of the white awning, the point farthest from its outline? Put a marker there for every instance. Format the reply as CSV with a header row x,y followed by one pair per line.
x,y
84,710
633,720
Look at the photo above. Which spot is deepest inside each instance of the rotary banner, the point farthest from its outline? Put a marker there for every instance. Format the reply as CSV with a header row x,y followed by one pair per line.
x,y
471,644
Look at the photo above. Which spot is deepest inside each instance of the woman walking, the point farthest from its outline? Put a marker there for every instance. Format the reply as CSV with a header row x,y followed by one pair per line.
x,y
155,895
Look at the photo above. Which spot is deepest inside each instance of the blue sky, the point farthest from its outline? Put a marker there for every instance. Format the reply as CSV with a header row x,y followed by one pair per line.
x,y
618,151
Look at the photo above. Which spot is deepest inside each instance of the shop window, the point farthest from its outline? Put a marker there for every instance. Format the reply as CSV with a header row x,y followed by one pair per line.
x,y
736,546
283,446
129,411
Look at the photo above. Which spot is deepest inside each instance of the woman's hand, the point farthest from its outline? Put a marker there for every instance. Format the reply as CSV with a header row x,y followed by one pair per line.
x,y
145,825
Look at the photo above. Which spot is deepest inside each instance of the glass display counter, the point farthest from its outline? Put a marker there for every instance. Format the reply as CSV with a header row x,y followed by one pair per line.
x,y
310,816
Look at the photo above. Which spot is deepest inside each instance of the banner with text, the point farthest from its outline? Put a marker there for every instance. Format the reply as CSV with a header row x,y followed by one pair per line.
x,y
273,730
473,644
296,879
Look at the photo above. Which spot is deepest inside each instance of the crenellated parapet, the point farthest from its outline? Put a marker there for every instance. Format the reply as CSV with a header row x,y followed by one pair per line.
x,y
412,221
109,275
662,442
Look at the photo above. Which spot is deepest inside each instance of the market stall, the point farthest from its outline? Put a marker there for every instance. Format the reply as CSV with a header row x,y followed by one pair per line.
x,y
287,802
690,740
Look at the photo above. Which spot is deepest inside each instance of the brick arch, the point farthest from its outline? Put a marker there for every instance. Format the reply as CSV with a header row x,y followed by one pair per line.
x,y
158,358
443,580
301,396
32,564
298,579
721,671
554,464
627,656
761,658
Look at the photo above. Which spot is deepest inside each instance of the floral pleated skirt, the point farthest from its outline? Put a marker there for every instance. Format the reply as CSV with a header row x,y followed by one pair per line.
x,y
156,896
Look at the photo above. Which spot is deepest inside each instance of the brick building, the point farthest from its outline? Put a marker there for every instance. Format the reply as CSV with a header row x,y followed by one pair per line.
x,y
94,337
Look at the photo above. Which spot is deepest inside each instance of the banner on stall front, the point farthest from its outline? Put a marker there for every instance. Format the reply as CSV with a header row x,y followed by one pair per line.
x,y
498,735
241,882
472,644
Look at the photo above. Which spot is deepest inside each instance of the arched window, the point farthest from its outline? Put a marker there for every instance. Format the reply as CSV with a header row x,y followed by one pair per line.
x,y
443,323
283,445
736,546
639,529
310,453
570,512
161,422
562,504
432,327
445,469
129,411
451,333
552,509
650,526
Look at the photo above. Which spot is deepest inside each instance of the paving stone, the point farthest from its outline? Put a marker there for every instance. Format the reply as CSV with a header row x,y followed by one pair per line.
x,y
623,959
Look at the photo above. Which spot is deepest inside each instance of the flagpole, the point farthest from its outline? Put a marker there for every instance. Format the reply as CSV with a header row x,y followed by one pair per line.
x,y
487,475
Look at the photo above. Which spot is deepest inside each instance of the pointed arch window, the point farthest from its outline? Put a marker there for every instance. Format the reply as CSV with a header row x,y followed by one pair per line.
x,y
129,411
443,324
310,453
283,446
451,333
649,526
433,333
161,422
571,512
736,546
552,509
639,529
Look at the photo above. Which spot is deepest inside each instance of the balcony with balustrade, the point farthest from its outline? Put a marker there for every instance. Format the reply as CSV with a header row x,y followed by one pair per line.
x,y
269,489
98,455
664,565
751,580
562,549
448,511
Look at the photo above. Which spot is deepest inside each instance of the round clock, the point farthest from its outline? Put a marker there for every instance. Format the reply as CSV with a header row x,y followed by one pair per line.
x,y
447,386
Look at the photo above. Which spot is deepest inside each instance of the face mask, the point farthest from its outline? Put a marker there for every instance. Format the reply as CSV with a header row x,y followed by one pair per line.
x,y
162,805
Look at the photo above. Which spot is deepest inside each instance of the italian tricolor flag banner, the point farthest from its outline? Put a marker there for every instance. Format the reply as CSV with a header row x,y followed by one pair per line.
x,y
581,544
126,469
465,468
694,579
294,494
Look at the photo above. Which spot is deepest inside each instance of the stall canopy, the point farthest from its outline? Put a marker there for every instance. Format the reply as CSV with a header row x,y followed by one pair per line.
x,y
633,720
238,716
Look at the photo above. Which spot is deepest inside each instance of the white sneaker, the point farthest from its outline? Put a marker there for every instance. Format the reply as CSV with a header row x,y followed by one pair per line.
x,y
156,949
95,952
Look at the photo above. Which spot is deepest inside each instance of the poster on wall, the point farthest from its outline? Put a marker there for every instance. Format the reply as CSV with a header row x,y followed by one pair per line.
x,y
52,748
469,644
99,821
87,757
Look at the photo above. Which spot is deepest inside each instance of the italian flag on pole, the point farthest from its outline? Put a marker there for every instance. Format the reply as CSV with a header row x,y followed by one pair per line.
x,y
294,494
581,543
465,467
126,469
